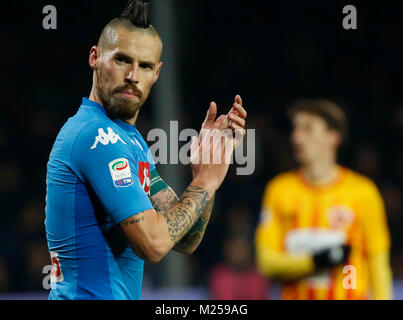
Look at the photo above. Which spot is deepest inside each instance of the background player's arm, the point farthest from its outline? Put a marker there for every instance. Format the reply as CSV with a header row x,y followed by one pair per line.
x,y
276,263
377,243
380,276
271,259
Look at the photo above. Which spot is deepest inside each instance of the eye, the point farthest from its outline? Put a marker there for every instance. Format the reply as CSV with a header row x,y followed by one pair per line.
x,y
121,59
146,66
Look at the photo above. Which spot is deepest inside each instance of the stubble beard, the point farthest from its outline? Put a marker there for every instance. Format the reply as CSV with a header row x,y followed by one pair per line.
x,y
115,106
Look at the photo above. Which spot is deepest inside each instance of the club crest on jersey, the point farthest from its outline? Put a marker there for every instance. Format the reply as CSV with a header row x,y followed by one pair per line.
x,y
340,217
106,138
145,176
120,172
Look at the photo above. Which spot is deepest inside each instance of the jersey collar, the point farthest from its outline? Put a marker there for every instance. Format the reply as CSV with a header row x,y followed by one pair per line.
x,y
125,126
87,102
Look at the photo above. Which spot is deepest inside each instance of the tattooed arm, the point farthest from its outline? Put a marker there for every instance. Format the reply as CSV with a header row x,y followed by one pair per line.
x,y
153,233
166,199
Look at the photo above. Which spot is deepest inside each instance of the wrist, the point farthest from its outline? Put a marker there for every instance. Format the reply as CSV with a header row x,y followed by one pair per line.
x,y
205,185
331,257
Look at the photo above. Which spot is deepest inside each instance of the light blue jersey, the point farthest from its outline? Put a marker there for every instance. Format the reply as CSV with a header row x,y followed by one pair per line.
x,y
98,175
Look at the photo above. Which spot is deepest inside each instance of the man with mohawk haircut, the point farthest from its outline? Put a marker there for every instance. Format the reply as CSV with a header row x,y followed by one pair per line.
x,y
107,208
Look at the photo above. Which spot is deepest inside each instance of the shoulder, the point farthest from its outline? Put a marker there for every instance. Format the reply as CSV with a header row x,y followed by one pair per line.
x,y
282,180
360,182
279,186
97,133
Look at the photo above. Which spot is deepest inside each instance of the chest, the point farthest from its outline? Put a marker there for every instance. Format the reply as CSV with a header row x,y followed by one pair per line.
x,y
332,210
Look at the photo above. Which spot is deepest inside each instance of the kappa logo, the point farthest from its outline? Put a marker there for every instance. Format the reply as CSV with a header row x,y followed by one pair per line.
x,y
106,138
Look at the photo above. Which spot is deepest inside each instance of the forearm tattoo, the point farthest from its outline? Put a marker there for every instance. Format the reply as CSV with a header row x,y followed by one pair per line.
x,y
164,199
195,235
182,217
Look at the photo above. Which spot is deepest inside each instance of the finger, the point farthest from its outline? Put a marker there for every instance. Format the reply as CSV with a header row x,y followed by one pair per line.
x,y
211,112
235,126
228,147
237,119
239,136
194,150
222,122
216,148
239,132
239,109
222,140
238,99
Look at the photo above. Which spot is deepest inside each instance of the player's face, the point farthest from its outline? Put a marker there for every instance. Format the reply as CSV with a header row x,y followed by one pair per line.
x,y
311,138
126,72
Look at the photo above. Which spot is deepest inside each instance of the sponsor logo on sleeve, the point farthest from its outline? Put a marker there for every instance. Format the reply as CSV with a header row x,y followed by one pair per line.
x,y
56,274
145,176
120,172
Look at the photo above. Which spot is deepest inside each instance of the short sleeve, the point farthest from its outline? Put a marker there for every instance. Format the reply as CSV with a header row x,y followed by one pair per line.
x,y
146,150
104,161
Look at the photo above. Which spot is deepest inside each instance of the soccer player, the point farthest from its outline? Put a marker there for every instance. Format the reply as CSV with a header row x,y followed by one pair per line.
x,y
323,230
107,208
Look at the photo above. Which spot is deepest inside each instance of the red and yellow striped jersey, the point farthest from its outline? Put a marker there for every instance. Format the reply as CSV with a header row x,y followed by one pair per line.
x,y
298,218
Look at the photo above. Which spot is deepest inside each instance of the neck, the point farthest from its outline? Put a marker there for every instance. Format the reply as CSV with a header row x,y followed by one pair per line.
x,y
94,97
320,172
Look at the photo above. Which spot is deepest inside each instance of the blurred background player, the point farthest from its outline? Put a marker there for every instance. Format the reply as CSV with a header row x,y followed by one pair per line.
x,y
322,217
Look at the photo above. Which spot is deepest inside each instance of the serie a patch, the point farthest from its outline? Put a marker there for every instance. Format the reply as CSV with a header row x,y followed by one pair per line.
x,y
120,172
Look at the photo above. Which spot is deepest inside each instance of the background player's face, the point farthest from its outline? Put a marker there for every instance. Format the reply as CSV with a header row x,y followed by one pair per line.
x,y
311,138
126,70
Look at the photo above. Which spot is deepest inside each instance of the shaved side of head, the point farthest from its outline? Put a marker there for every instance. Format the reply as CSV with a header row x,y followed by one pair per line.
x,y
109,35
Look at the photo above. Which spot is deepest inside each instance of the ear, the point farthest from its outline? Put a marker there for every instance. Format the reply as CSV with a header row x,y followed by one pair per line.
x,y
157,74
335,138
93,58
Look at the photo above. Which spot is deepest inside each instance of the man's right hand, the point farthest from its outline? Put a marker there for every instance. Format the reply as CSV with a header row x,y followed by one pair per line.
x,y
331,257
211,157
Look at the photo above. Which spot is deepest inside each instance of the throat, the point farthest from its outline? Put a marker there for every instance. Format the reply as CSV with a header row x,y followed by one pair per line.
x,y
320,175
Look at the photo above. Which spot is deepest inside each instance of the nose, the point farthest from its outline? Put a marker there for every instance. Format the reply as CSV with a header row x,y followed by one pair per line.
x,y
131,76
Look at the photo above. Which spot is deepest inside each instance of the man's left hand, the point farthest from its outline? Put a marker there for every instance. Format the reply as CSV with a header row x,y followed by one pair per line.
x,y
234,119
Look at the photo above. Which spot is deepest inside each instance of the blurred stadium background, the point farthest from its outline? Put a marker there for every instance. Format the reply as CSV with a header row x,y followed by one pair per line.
x,y
270,52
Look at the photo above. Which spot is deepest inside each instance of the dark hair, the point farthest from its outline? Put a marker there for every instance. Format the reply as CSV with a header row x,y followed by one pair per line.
x,y
138,12
333,115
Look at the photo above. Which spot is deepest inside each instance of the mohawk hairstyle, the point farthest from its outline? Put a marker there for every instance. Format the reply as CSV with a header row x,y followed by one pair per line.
x,y
136,15
138,12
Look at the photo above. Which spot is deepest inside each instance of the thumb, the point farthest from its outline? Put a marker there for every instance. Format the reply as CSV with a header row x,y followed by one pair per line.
x,y
211,112
238,99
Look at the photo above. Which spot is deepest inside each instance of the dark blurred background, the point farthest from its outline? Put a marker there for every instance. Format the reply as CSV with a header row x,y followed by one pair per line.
x,y
269,52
